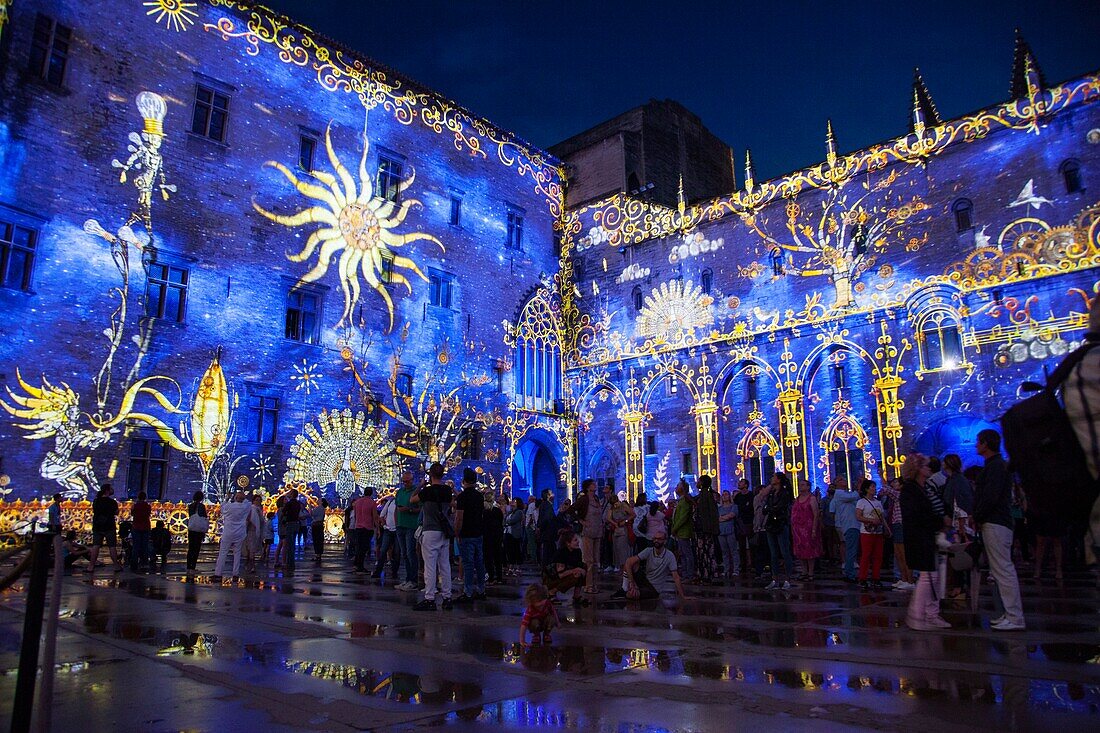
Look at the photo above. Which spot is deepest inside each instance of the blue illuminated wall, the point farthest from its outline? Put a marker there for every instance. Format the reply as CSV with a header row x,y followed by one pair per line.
x,y
427,373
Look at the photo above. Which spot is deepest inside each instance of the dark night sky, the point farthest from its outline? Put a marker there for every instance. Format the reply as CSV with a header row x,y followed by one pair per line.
x,y
763,76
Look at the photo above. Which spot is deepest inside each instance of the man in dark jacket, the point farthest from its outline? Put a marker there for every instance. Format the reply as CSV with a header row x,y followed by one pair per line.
x,y
547,528
993,516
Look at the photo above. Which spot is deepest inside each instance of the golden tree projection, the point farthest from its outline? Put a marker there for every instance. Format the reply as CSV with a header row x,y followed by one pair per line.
x,y
356,223
841,240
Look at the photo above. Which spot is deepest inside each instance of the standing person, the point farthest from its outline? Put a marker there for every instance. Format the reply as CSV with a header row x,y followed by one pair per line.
x,y
546,529
727,535
53,515
364,523
141,514
470,529
589,512
607,496
742,499
829,540
408,519
921,519
104,531
706,531
805,520
993,515
269,536
161,541
897,535
620,517
760,550
531,541
197,526
937,481
317,528
777,525
872,524
847,526
514,536
387,539
235,513
291,520
494,539
641,522
435,538
682,531
254,534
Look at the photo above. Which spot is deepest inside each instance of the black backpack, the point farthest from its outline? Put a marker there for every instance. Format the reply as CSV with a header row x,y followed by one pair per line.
x,y
1044,451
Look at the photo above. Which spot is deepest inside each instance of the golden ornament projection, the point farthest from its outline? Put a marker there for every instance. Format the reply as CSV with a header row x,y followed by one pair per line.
x,y
176,14
346,451
674,311
357,224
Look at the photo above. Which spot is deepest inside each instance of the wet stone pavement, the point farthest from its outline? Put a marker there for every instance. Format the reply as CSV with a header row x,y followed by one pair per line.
x,y
328,650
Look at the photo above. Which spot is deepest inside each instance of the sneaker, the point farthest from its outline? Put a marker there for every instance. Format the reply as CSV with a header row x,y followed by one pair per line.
x,y
772,585
447,605
425,605
902,585
939,622
407,586
999,620
786,585
1006,625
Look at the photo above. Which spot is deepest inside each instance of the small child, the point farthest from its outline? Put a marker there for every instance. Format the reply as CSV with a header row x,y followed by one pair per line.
x,y
269,535
539,617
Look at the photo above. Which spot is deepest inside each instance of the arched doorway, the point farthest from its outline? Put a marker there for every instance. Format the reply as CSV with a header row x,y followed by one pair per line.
x,y
957,434
536,465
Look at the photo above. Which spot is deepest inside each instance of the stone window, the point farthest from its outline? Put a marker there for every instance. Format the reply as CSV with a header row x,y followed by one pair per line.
x,y
211,116
752,390
148,467
469,442
391,168
50,50
303,315
1071,175
403,383
17,249
651,444
636,297
964,215
456,208
440,288
940,342
687,465
514,231
166,292
263,413
386,271
307,147
706,281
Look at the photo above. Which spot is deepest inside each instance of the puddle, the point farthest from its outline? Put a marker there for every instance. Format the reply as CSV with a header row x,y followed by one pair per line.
x,y
75,667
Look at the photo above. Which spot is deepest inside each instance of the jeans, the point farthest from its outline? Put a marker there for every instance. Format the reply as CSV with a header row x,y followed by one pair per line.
x,y
388,541
998,548
406,543
363,538
437,562
851,552
291,531
685,557
779,544
472,550
194,544
142,554
731,558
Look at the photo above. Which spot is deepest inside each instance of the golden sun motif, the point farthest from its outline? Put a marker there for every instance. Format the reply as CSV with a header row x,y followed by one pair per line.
x,y
177,15
355,223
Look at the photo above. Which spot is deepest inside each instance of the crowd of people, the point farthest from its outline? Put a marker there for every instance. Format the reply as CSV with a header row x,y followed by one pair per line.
x,y
929,526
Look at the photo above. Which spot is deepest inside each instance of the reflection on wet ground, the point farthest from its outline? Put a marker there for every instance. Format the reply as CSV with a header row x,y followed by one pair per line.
x,y
821,652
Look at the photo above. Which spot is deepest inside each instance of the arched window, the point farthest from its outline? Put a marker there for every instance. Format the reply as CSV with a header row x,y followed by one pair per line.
x,y
940,342
1071,175
964,214
538,356
706,281
636,297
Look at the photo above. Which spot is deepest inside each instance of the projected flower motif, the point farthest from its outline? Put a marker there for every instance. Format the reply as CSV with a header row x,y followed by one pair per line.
x,y
306,376
262,469
674,311
356,224
177,15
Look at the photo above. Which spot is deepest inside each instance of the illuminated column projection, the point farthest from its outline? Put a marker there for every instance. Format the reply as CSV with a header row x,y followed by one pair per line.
x,y
706,435
633,425
887,381
791,421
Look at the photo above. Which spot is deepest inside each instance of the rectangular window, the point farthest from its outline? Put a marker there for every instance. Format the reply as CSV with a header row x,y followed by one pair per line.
x,y
404,384
148,468
263,411
514,238
390,173
456,210
303,316
386,274
50,49
751,390
470,443
166,292
440,289
307,146
17,245
651,444
211,116
687,466
838,377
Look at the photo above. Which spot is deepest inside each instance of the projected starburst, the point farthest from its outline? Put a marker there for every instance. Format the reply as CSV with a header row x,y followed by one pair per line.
x,y
176,14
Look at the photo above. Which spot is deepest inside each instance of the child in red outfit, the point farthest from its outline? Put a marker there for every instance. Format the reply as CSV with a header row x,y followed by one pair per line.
x,y
539,617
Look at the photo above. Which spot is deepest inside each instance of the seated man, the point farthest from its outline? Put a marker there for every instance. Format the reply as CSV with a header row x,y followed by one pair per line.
x,y
71,550
161,540
659,574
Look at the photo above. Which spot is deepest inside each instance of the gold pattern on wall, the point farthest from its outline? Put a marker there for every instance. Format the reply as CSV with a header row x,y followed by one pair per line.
x,y
356,222
673,312
344,451
177,15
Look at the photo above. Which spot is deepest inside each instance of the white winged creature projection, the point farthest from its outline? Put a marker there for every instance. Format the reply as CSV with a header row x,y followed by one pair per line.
x,y
1029,198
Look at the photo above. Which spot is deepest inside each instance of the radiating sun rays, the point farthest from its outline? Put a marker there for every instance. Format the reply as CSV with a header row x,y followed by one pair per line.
x,y
357,225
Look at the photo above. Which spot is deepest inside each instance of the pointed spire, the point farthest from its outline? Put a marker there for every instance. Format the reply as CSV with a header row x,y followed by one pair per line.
x,y
681,205
1027,77
733,170
924,109
749,174
830,144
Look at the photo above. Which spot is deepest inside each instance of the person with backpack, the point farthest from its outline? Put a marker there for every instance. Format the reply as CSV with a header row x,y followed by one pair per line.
x,y
993,515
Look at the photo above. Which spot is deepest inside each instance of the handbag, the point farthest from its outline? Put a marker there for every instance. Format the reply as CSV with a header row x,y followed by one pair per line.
x,y
198,523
